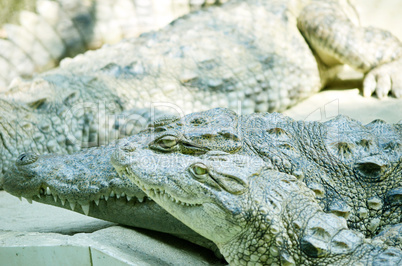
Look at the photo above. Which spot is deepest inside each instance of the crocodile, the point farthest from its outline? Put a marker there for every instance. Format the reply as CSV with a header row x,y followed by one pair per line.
x,y
233,55
253,213
321,155
354,169
36,39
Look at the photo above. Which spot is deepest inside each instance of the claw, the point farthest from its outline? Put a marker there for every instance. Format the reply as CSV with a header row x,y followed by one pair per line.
x,y
383,86
369,85
397,92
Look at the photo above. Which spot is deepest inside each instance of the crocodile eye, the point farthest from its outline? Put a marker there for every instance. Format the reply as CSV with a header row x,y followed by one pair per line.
x,y
167,142
199,170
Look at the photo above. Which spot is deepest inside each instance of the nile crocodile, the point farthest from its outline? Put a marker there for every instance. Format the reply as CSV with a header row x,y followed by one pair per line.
x,y
50,30
339,160
254,214
235,56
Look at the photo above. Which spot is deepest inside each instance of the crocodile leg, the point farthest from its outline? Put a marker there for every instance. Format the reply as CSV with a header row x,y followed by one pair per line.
x,y
336,39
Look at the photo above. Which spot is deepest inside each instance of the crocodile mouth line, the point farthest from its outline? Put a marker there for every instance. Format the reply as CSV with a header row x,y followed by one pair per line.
x,y
159,193
45,193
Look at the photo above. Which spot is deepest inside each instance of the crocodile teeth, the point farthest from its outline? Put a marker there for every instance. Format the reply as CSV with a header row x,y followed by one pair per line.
x,y
129,198
48,191
38,195
97,202
123,194
140,199
117,196
85,208
55,198
106,197
112,194
63,201
29,200
72,205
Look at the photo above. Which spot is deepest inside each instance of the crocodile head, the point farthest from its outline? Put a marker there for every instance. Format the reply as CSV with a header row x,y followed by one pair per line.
x,y
197,133
86,181
253,214
88,176
209,192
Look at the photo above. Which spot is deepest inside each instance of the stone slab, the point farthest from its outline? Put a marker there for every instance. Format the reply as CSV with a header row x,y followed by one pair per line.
x,y
39,234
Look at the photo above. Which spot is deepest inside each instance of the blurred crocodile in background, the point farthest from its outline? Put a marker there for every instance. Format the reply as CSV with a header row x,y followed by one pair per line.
x,y
235,56
36,35
353,170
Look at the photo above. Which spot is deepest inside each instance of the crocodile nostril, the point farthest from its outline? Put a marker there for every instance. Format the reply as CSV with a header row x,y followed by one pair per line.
x,y
26,158
128,147
371,168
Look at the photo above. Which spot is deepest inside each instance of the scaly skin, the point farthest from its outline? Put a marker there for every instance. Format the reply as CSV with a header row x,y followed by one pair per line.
x,y
61,29
256,216
67,130
314,152
247,68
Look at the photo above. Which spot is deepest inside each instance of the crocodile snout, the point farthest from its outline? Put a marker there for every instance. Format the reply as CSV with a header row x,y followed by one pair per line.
x,y
26,158
122,156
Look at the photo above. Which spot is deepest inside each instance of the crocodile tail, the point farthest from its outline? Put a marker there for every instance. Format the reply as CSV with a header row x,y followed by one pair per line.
x,y
52,30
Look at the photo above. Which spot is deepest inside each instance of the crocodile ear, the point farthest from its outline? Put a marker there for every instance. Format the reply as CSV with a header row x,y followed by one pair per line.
x,y
230,183
71,98
38,103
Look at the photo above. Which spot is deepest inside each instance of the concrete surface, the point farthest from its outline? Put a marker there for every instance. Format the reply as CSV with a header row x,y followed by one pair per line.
x,y
329,103
38,234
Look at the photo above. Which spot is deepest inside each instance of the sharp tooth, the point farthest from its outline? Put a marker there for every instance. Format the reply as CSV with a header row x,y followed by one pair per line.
x,y
85,208
123,194
102,197
29,200
106,197
63,201
38,195
55,198
129,198
72,205
118,196
140,199
48,191
112,194
97,202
